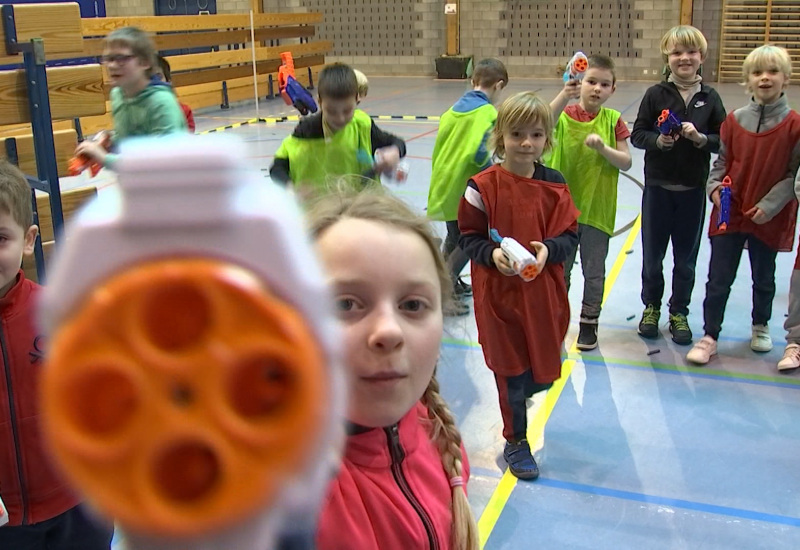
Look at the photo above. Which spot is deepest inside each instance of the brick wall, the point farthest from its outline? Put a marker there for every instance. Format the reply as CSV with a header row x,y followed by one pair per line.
x,y
707,16
404,37
120,8
380,37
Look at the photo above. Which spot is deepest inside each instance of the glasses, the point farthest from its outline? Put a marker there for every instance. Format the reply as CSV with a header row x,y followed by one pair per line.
x,y
119,58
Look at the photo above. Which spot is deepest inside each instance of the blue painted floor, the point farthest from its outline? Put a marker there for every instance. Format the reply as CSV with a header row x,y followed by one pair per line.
x,y
641,450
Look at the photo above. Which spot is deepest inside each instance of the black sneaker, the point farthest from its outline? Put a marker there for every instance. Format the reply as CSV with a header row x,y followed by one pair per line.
x,y
520,460
462,289
679,328
456,308
587,337
648,326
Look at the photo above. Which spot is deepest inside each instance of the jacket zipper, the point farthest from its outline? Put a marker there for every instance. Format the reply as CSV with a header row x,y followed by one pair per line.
x,y
396,450
22,487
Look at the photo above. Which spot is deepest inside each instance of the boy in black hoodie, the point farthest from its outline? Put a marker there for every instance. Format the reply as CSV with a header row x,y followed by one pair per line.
x,y
675,169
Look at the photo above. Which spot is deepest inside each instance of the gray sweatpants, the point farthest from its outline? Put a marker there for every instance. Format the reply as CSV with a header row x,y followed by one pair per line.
x,y
792,323
593,246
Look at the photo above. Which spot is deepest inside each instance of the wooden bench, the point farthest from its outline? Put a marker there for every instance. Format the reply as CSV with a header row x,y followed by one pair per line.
x,y
200,78
45,31
71,202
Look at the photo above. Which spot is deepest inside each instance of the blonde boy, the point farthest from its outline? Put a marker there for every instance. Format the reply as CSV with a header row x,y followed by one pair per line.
x,y
760,153
675,173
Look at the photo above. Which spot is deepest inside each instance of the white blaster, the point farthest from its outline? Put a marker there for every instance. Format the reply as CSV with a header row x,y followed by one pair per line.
x,y
523,261
193,388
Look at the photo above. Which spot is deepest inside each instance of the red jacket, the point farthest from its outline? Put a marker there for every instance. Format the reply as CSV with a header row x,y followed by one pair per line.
x,y
392,492
187,112
29,486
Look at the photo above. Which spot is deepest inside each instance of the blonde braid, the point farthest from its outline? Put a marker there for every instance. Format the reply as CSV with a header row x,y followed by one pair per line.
x,y
447,437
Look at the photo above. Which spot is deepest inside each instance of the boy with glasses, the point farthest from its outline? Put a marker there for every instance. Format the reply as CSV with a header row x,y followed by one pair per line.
x,y
138,108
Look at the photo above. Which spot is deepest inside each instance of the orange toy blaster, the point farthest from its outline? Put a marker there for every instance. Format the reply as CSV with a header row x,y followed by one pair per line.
x,y
292,92
192,389
79,163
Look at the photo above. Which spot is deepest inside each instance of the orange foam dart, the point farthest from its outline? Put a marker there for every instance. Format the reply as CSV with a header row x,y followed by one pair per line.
x,y
181,393
663,116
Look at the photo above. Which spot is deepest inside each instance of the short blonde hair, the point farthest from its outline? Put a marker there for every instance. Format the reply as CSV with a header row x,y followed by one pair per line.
x,y
520,110
766,57
686,36
363,84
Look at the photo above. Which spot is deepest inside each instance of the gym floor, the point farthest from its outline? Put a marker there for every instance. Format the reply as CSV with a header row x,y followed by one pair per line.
x,y
637,449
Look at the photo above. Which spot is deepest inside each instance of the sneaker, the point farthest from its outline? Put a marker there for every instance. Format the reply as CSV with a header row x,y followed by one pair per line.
x,y
761,340
648,326
461,288
456,308
587,337
791,358
520,460
702,351
679,328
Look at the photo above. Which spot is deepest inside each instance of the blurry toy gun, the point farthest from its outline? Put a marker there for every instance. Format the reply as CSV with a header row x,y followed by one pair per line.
x,y
79,163
192,389
523,261
668,124
724,217
399,174
292,92
576,67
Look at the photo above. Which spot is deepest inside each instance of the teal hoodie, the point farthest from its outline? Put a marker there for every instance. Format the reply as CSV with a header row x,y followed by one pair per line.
x,y
153,111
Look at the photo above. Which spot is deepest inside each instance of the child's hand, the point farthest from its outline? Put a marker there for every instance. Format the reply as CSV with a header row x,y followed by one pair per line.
x,y
665,142
541,251
595,142
502,263
572,89
715,197
91,149
690,132
757,215
389,157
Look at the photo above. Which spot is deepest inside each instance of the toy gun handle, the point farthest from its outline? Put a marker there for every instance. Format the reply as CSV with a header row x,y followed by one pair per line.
x,y
667,123
576,67
724,217
524,262
192,389
79,163
399,174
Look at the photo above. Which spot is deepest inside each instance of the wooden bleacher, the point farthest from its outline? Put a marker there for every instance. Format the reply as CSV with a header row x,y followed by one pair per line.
x,y
198,78
71,202
73,91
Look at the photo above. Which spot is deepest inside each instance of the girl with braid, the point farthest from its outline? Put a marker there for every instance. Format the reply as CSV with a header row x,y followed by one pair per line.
x,y
402,483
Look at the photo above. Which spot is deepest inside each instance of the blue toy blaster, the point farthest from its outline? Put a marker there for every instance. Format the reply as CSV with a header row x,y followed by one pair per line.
x,y
668,124
724,217
292,92
576,67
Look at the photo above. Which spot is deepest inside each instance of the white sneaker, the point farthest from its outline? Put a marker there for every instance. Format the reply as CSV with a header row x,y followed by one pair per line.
x,y
761,340
791,358
702,351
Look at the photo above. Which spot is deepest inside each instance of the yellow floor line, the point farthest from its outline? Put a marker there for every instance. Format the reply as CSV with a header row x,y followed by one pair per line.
x,y
503,491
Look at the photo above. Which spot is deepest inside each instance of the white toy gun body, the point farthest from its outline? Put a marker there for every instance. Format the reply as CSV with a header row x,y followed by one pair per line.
x,y
576,67
192,389
522,259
